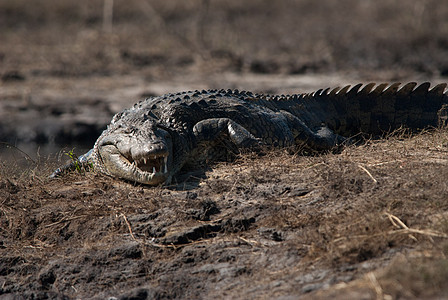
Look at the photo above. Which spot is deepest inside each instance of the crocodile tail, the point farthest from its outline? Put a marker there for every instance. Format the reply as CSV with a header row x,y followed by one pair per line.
x,y
377,109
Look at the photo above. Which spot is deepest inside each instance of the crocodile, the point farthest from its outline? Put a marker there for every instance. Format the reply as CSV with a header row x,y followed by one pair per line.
x,y
153,140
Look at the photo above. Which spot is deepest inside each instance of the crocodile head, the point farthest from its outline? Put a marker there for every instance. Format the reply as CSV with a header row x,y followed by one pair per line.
x,y
140,153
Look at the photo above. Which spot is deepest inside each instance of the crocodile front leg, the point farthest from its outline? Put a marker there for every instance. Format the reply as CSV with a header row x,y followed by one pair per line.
x,y
211,130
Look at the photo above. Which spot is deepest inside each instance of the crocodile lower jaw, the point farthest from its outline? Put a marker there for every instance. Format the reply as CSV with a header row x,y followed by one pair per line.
x,y
148,170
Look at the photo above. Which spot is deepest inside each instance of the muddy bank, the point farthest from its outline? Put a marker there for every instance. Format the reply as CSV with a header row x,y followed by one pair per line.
x,y
367,221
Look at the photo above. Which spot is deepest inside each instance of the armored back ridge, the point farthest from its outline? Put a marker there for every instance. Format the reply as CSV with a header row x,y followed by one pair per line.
x,y
151,141
378,109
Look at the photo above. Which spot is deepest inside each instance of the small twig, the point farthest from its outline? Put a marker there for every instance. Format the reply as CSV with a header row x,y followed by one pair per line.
x,y
129,226
394,219
384,163
401,224
368,173
248,241
429,233
423,232
231,189
315,165
153,244
376,286
33,247
64,220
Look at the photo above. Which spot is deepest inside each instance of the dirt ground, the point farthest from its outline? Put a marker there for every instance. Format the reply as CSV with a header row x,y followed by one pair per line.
x,y
370,222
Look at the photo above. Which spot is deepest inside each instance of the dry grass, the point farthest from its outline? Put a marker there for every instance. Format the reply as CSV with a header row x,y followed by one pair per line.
x,y
360,211
369,221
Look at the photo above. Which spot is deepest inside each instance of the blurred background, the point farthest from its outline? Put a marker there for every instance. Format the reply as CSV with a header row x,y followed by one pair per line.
x,y
67,66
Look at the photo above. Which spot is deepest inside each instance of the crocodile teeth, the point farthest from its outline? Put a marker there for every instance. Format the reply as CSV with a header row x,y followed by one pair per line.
x,y
149,166
148,176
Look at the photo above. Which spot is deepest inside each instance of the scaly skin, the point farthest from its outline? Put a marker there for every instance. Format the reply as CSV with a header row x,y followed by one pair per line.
x,y
154,139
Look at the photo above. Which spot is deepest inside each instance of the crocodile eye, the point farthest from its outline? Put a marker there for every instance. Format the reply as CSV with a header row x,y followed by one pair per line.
x,y
126,130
